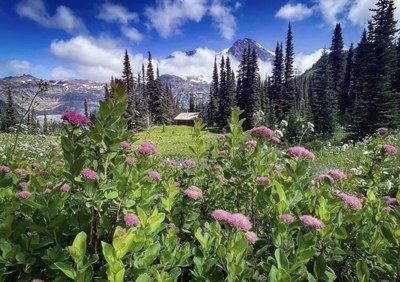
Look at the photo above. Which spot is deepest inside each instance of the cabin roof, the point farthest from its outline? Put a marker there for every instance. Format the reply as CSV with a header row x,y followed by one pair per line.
x,y
187,116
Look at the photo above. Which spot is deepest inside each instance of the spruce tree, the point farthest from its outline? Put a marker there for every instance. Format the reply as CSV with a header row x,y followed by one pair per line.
x,y
322,107
336,60
191,103
288,92
130,86
213,107
10,119
86,109
276,87
344,100
45,128
384,33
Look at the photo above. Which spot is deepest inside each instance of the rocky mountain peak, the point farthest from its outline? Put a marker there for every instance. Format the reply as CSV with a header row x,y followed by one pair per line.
x,y
236,50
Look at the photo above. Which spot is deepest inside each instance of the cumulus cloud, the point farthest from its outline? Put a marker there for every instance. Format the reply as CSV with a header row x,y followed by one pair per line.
x,y
169,15
64,18
303,62
116,13
332,9
223,18
91,58
18,67
359,12
131,33
297,12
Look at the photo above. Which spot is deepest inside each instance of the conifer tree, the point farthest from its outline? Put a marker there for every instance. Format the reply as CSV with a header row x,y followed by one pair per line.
x,y
191,103
336,60
344,100
86,109
157,104
213,107
231,84
45,128
288,92
10,119
322,107
276,87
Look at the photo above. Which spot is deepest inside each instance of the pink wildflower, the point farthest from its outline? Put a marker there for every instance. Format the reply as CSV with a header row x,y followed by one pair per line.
x,y
37,280
125,145
35,165
312,221
327,177
382,130
4,168
154,175
352,201
129,160
47,191
387,209
390,149
87,139
134,132
275,140
189,163
23,194
301,152
90,174
53,145
338,174
239,221
251,144
75,118
23,184
146,149
286,218
194,193
221,215
262,179
262,131
223,153
131,219
65,188
122,232
219,177
251,237
390,201
221,137
171,225
22,172
177,183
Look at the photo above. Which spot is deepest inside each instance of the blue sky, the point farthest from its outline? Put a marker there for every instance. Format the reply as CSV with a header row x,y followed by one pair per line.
x,y
55,39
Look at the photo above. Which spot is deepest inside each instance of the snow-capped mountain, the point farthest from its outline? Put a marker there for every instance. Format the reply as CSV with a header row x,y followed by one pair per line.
x,y
236,50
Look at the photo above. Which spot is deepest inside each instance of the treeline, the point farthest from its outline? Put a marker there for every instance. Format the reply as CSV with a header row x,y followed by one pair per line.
x,y
149,102
358,89
10,119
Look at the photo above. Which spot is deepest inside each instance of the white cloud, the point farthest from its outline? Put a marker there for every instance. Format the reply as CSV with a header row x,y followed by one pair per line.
x,y
223,18
303,62
116,13
91,58
169,15
359,12
296,12
18,67
131,33
332,9
64,18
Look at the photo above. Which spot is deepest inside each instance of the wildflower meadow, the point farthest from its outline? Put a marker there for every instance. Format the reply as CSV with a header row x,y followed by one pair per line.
x,y
96,206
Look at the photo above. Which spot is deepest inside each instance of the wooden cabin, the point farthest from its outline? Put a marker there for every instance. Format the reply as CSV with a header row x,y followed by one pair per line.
x,y
186,118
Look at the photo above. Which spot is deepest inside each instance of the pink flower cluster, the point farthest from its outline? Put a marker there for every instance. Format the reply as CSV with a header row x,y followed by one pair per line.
x,y
194,193
75,118
189,163
382,130
301,152
4,168
251,144
65,188
337,174
35,165
286,218
223,153
326,177
154,175
251,237
391,201
312,221
37,280
90,174
129,160
131,219
125,145
262,179
352,201
146,148
390,149
275,140
236,220
23,184
262,131
23,194
22,172
221,137
87,139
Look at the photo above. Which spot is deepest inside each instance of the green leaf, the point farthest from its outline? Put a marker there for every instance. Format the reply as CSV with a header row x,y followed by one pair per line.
x,y
112,195
108,252
281,259
144,277
340,233
239,247
67,269
362,270
80,245
320,266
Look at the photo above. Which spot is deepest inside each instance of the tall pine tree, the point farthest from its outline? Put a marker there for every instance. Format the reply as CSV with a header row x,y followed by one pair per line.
x,y
276,86
10,116
344,101
213,108
288,92
130,86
